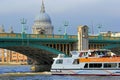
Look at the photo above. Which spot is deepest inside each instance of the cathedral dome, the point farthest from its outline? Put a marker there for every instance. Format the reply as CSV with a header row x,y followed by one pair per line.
x,y
43,17
42,23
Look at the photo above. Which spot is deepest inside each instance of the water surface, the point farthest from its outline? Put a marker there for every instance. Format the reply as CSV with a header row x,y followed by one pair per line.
x,y
25,68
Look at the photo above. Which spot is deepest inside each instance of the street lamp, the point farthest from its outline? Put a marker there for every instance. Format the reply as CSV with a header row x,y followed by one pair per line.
x,y
23,22
65,26
59,30
99,27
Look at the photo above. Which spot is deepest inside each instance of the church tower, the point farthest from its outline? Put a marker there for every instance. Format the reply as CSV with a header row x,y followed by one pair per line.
x,y
42,23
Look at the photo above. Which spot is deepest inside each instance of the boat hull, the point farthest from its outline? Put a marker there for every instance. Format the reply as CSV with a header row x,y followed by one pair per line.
x,y
104,72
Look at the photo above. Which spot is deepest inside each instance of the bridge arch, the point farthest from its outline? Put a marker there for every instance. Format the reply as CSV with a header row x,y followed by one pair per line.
x,y
40,53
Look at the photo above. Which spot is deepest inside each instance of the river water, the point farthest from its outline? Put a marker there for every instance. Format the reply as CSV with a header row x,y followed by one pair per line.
x,y
26,68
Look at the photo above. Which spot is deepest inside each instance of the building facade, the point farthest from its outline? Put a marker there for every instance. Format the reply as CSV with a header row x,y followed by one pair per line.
x,y
12,57
111,34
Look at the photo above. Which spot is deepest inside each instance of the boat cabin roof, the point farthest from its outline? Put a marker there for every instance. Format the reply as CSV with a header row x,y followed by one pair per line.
x,y
92,53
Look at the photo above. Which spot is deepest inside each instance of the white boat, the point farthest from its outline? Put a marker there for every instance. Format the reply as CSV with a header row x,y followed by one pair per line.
x,y
100,62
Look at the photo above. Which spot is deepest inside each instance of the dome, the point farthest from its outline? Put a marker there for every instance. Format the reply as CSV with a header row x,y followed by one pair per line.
x,y
43,17
42,23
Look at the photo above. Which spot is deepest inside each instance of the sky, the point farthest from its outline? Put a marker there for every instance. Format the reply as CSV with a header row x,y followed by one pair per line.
x,y
92,13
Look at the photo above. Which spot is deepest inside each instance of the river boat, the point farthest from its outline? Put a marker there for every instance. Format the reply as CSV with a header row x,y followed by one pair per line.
x,y
97,62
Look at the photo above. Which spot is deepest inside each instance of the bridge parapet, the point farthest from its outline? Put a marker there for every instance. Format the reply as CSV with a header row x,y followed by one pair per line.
x,y
35,36
100,37
70,37
38,36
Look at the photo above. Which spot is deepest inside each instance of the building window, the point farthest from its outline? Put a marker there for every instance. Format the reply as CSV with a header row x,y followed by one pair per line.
x,y
13,60
84,30
14,56
21,60
59,61
76,61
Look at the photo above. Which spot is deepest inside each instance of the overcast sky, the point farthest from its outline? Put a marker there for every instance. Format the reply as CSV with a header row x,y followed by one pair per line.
x,y
76,12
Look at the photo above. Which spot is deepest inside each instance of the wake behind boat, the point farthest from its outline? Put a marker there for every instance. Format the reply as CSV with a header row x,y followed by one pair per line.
x,y
99,62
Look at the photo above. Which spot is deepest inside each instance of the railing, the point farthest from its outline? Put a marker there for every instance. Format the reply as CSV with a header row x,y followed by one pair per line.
x,y
103,38
38,36
35,36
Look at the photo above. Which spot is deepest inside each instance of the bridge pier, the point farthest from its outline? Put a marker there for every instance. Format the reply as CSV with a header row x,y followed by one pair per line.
x,y
40,68
82,38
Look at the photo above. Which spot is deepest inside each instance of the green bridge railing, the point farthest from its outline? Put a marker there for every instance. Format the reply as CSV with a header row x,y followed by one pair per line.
x,y
100,37
35,36
38,36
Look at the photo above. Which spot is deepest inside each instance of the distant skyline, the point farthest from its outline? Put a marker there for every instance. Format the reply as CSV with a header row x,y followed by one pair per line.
x,y
76,12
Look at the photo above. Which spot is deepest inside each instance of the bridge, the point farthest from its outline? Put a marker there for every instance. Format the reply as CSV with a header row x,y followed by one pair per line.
x,y
105,42
42,48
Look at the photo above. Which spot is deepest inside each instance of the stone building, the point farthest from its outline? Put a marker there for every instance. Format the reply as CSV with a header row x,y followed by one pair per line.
x,y
42,23
2,29
110,34
83,38
12,57
11,30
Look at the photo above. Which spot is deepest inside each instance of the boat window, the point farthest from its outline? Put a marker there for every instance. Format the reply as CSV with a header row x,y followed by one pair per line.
x,y
59,61
92,54
85,54
76,61
99,53
104,53
86,65
81,54
95,65
110,65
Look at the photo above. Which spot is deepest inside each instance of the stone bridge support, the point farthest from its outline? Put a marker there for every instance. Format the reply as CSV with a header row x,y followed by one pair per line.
x,y
82,38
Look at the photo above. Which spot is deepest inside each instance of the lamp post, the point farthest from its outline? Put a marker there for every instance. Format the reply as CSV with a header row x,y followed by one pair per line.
x,y
59,30
23,22
99,27
65,26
